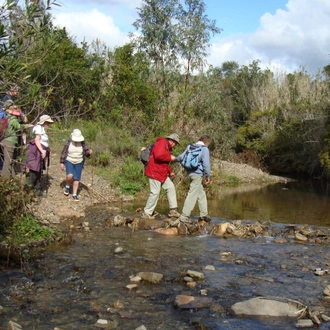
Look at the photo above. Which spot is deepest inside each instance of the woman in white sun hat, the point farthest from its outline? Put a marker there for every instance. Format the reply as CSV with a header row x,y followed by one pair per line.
x,y
72,159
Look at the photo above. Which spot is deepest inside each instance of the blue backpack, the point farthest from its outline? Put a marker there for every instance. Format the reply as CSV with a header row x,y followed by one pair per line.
x,y
190,159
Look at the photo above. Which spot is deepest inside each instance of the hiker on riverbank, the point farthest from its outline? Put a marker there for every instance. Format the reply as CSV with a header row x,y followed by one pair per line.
x,y
196,191
160,176
38,152
72,159
10,139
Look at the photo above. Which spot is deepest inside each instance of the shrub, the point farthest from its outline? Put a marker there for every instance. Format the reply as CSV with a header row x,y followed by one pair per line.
x,y
130,178
13,202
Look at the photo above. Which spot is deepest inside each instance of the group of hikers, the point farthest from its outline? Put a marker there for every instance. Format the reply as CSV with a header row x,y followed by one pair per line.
x,y
18,134
161,175
37,157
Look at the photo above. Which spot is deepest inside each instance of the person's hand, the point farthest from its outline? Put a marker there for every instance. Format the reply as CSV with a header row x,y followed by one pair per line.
x,y
207,181
172,176
90,151
43,154
172,158
62,166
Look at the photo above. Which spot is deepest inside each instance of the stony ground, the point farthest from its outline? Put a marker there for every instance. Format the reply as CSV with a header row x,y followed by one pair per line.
x,y
94,189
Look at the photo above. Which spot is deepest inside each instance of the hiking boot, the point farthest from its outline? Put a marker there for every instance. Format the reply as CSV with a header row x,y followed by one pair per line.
x,y
75,198
66,191
147,216
185,220
174,214
205,218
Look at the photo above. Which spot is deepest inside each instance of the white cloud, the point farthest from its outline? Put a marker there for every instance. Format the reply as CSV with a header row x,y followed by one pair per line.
x,y
91,25
290,39
293,38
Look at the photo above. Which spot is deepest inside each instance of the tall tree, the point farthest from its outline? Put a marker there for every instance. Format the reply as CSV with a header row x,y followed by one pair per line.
x,y
194,31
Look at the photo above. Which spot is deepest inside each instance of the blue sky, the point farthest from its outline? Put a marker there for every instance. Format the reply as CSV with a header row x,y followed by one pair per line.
x,y
285,35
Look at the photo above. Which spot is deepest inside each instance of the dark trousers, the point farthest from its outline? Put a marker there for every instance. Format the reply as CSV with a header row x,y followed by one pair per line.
x,y
8,149
35,179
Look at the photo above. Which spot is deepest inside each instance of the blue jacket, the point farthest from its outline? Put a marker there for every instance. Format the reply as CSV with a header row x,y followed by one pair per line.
x,y
204,167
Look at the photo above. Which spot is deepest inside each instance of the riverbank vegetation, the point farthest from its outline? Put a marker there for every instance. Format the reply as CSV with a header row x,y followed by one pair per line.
x,y
158,83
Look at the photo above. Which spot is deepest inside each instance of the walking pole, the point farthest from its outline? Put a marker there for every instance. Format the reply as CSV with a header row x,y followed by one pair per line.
x,y
40,175
92,180
47,177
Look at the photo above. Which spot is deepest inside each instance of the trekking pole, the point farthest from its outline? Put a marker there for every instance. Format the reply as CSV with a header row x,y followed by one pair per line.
x,y
40,174
47,177
92,184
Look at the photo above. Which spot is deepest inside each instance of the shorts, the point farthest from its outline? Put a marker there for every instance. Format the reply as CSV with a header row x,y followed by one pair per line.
x,y
74,169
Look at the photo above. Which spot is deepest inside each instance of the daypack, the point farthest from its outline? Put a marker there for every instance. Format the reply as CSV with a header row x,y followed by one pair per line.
x,y
3,123
145,154
190,159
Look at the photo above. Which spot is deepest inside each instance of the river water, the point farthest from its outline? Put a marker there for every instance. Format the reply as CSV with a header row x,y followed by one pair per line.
x,y
71,287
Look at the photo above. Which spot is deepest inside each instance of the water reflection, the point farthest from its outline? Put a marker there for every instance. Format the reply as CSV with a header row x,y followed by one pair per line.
x,y
295,202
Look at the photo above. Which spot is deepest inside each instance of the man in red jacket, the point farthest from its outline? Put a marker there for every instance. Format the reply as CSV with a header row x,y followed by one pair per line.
x,y
159,173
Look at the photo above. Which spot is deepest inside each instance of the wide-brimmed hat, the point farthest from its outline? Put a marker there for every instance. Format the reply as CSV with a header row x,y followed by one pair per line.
x,y
76,136
44,119
175,137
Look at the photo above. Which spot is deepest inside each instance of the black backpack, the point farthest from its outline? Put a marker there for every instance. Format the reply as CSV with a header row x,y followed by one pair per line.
x,y
145,154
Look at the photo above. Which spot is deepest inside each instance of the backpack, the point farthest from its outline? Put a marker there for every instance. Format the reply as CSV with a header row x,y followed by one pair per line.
x,y
145,154
190,159
3,123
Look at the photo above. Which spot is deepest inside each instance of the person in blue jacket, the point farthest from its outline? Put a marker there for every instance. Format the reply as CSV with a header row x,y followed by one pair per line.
x,y
196,191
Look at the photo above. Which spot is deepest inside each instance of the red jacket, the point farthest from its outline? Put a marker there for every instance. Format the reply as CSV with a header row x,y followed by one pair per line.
x,y
160,157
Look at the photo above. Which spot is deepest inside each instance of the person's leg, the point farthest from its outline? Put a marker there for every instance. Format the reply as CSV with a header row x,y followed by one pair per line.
x,y
68,180
155,187
77,170
35,179
192,196
169,188
69,177
75,187
8,154
202,202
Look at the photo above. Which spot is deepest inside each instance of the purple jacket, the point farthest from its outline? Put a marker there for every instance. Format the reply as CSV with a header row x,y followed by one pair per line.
x,y
33,157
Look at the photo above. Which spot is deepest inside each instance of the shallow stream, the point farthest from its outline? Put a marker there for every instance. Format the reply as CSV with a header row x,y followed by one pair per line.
x,y
71,287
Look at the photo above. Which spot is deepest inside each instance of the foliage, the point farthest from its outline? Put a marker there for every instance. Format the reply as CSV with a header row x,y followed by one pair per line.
x,y
13,202
132,99
27,230
130,178
124,98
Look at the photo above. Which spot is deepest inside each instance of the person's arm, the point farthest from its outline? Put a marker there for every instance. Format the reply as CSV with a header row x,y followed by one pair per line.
x,y
180,157
206,164
39,146
64,154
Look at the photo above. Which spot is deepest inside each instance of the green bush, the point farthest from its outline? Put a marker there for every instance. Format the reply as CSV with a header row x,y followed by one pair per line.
x,y
27,229
103,159
13,202
130,178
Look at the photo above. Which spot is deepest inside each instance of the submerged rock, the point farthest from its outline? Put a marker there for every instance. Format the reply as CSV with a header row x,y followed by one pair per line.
x,y
151,277
190,302
265,307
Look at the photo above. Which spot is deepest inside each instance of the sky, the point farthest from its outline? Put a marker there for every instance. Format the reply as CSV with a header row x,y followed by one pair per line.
x,y
284,35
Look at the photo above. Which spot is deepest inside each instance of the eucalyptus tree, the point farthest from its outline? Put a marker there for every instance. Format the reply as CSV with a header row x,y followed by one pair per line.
x,y
194,32
157,36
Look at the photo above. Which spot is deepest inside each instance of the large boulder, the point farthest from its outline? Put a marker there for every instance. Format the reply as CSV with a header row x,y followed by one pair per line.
x,y
265,307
